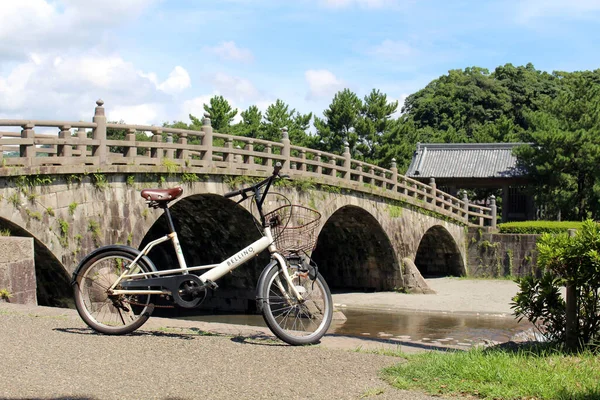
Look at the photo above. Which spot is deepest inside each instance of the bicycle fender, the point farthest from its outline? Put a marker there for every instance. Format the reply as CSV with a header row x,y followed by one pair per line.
x,y
261,283
133,252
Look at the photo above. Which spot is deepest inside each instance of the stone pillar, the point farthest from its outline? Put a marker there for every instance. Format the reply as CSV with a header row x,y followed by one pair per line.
x,y
394,170
466,205
81,136
250,147
359,173
285,151
157,152
303,157
170,151
207,140
493,211
182,154
433,191
28,150
318,160
64,150
347,161
130,151
99,133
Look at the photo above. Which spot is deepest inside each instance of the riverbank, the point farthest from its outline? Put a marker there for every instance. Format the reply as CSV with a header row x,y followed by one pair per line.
x,y
486,297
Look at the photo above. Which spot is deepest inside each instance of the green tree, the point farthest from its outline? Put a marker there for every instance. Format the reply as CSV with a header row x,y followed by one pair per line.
x,y
374,122
564,158
339,123
250,125
221,114
573,262
278,116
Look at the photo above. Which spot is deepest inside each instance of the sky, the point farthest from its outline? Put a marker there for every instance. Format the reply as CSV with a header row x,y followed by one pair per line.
x,y
153,61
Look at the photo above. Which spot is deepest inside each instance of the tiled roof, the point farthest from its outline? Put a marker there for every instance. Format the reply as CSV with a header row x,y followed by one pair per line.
x,y
464,160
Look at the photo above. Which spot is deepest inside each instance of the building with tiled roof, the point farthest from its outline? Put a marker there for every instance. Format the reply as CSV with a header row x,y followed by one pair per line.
x,y
456,166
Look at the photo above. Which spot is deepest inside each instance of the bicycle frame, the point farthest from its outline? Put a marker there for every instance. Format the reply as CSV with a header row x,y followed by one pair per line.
x,y
215,272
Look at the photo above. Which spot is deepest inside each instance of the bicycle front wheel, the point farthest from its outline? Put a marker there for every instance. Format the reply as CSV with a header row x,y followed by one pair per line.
x,y
293,321
105,313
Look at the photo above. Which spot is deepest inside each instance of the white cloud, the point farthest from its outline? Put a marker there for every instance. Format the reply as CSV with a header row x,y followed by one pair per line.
x,y
140,114
391,49
229,51
66,88
322,84
195,107
235,89
178,80
535,9
42,25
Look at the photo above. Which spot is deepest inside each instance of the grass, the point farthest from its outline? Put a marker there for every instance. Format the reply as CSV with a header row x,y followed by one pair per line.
x,y
531,372
538,227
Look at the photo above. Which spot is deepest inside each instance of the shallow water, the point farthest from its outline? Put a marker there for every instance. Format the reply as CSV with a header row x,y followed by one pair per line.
x,y
406,325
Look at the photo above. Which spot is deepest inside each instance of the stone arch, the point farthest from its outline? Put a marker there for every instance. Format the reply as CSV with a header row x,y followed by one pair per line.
x,y
354,252
53,283
210,229
438,254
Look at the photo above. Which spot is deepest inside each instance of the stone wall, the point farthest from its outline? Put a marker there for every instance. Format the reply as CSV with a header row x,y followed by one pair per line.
x,y
500,254
17,269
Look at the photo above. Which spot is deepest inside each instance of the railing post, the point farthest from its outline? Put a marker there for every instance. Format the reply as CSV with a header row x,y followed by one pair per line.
x,y
64,150
285,151
303,157
319,167
228,157
347,161
81,136
250,147
359,173
238,158
466,205
130,151
207,140
333,171
99,133
493,210
170,152
28,150
268,150
394,170
182,154
433,191
157,152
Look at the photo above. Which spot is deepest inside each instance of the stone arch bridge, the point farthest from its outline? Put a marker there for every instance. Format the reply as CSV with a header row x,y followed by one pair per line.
x,y
72,188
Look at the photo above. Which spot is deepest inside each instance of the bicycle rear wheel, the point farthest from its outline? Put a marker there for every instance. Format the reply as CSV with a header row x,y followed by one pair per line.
x,y
296,322
104,313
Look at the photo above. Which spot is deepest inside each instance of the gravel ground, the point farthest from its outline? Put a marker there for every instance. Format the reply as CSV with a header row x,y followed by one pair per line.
x,y
49,353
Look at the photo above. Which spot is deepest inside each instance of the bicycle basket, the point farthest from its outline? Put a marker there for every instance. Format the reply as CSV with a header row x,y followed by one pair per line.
x,y
296,230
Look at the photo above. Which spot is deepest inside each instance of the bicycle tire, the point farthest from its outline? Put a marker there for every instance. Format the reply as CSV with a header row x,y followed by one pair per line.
x,y
293,322
111,316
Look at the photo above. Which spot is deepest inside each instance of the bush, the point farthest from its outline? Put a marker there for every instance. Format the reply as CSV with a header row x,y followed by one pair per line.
x,y
538,227
564,261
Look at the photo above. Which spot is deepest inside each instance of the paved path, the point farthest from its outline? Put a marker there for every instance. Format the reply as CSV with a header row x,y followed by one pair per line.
x,y
49,353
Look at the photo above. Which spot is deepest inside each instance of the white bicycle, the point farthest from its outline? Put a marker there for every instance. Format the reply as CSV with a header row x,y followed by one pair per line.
x,y
115,286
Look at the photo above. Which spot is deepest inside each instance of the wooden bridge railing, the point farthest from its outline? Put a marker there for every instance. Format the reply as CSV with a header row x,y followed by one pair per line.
x,y
85,143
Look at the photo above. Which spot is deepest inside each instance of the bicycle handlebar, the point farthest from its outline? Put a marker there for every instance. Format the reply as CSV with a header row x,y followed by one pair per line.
x,y
242,192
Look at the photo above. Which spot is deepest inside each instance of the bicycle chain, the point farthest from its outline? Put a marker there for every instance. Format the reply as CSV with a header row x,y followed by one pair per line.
x,y
135,303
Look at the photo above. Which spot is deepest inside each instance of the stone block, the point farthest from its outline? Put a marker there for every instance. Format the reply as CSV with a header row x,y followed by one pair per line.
x,y
17,269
